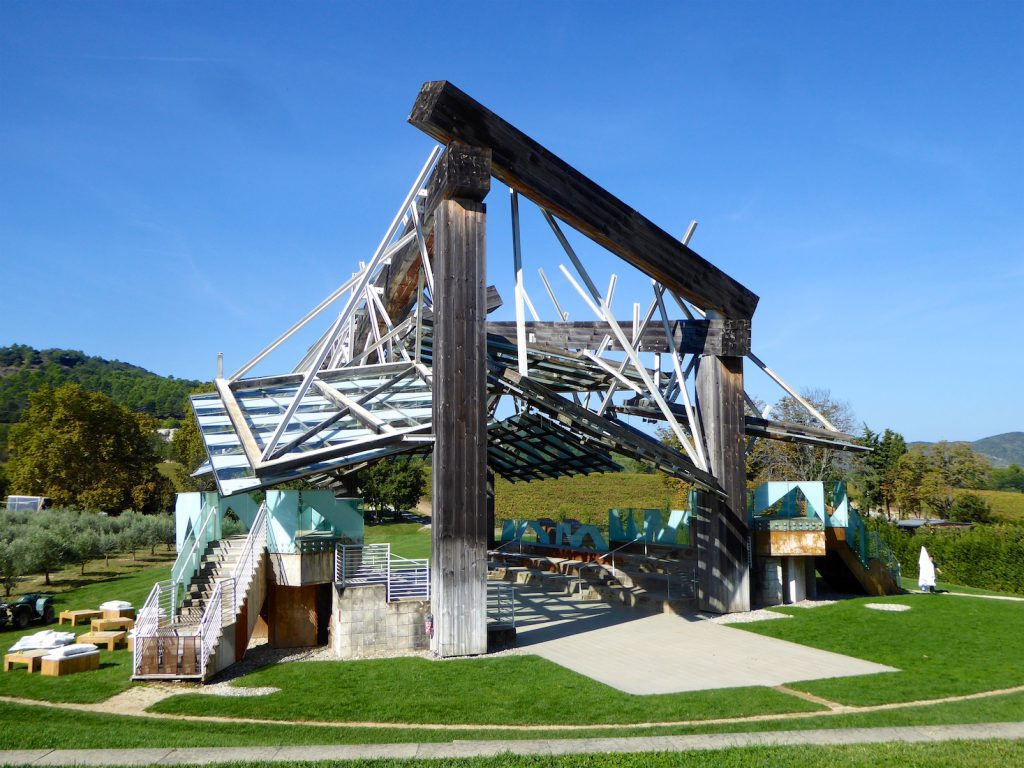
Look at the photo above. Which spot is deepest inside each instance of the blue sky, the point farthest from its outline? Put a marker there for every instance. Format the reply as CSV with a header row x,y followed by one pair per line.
x,y
179,179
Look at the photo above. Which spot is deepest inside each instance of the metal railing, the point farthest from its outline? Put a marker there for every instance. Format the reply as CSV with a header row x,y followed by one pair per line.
x,y
364,564
868,545
187,563
249,558
408,579
501,603
210,627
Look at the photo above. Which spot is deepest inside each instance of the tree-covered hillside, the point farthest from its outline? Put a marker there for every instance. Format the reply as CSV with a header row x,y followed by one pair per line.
x,y
24,369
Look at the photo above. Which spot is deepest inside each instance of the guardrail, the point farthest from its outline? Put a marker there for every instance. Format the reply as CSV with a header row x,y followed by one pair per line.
x,y
187,563
868,546
249,558
501,603
363,564
210,627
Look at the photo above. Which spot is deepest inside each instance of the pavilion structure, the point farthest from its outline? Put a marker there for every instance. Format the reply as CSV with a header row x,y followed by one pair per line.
x,y
411,363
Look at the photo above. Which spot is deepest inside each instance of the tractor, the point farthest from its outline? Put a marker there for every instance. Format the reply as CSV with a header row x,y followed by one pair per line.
x,y
26,609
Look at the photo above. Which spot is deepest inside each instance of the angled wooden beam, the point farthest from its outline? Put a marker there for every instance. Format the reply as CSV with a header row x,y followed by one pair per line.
x,y
447,114
238,422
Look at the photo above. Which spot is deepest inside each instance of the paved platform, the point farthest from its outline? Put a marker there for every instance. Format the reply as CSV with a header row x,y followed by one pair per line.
x,y
428,751
664,653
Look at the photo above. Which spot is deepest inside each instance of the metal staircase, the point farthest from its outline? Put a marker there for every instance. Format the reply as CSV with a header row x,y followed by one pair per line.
x,y
215,585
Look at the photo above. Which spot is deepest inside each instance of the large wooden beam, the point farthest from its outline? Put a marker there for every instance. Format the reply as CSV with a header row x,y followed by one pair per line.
x,y
721,525
460,510
447,114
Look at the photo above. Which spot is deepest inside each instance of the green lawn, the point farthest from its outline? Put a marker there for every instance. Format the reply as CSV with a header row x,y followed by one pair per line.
x,y
504,690
115,667
944,646
409,540
33,727
971,754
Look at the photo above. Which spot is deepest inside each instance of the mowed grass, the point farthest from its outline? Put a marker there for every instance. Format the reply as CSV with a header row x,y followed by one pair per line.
x,y
115,666
972,754
943,646
35,727
506,690
409,540
585,498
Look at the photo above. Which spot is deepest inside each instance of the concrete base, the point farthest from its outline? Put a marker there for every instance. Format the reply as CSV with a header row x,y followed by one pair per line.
x,y
364,624
671,654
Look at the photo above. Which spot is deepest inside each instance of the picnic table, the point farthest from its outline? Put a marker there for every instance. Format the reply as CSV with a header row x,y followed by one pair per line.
x,y
111,639
72,617
29,658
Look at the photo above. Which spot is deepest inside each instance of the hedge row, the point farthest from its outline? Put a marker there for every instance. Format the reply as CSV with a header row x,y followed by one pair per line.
x,y
985,556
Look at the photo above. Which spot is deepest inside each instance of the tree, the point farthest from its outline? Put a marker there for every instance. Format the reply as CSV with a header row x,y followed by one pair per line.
x,y
929,475
393,484
873,473
777,460
970,508
45,552
83,546
906,479
82,449
188,450
1009,478
11,565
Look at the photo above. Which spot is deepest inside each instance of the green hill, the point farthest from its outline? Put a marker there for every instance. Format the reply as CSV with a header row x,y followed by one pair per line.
x,y
24,369
1002,450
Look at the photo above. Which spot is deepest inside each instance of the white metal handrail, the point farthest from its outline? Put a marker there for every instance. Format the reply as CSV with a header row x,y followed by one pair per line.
x,y
501,603
210,627
248,559
408,579
361,565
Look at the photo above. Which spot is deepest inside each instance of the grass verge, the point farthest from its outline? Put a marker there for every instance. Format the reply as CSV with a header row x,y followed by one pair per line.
x,y
943,646
510,690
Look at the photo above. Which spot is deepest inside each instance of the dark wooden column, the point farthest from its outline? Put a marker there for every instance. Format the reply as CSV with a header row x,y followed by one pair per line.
x,y
459,528
721,526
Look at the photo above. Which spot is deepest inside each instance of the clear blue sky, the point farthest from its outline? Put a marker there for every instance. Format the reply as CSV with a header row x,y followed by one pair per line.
x,y
178,179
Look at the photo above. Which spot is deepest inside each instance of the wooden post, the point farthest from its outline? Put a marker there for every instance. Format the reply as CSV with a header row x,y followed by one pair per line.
x,y
459,526
721,526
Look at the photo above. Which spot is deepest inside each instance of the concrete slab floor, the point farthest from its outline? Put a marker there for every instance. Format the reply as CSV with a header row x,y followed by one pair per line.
x,y
647,654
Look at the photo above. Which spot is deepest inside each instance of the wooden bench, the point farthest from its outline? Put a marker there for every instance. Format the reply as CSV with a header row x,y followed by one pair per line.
x,y
118,613
73,617
30,658
110,639
102,625
69,665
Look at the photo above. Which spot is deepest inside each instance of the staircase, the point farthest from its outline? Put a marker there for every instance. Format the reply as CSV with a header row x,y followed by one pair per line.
x,y
218,562
192,631
634,581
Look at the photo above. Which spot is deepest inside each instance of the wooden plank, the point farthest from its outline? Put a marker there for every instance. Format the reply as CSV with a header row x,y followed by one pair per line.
x,y
721,529
459,523
586,334
447,114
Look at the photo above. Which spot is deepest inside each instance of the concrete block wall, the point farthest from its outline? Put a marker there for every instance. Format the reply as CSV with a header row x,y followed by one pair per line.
x,y
364,624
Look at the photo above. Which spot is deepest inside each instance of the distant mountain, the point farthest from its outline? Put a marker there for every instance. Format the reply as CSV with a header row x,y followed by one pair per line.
x,y
1001,450
24,369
